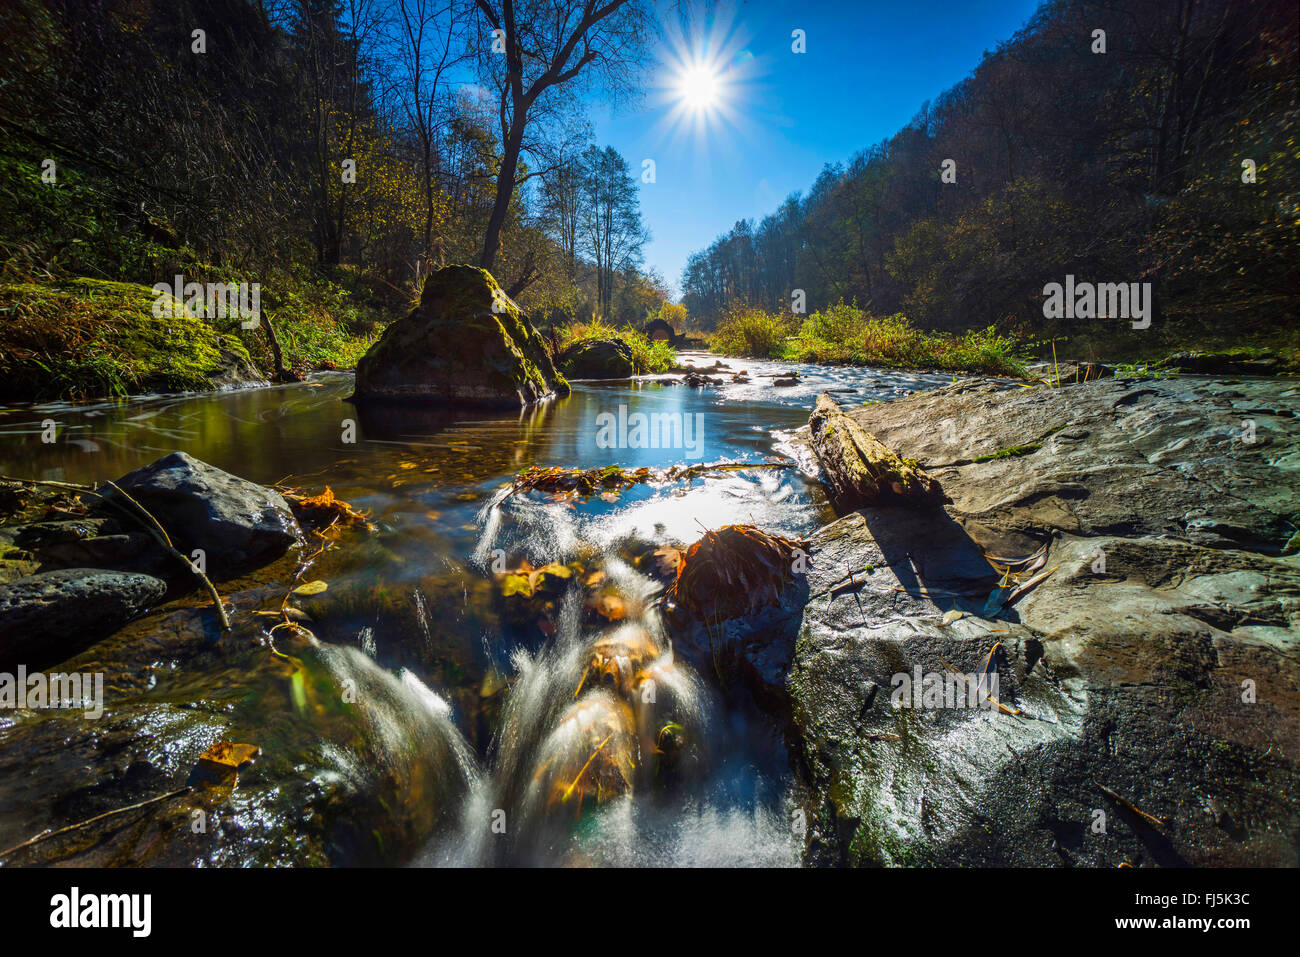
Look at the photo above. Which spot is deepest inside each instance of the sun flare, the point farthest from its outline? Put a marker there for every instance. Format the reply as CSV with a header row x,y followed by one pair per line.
x,y
699,87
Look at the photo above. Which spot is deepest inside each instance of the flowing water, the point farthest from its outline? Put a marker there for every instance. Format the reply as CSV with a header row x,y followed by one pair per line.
x,y
558,736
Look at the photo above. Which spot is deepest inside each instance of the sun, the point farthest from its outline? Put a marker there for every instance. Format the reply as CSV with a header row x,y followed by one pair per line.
x,y
699,87
705,83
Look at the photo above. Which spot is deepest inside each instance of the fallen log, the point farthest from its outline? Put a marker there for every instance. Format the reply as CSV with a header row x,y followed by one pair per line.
x,y
861,470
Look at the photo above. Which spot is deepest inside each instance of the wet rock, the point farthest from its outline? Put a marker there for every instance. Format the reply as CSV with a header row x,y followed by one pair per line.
x,y
238,524
785,383
336,783
235,371
1068,373
45,618
1219,363
93,541
466,343
597,359
696,381
1154,668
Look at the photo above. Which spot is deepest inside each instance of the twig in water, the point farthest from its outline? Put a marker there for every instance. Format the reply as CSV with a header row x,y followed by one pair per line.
x,y
91,820
160,534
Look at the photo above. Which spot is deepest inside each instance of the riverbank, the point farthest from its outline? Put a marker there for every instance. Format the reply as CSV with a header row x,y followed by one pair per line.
x,y
846,335
81,338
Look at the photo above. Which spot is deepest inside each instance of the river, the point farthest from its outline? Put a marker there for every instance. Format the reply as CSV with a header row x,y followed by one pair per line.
x,y
410,606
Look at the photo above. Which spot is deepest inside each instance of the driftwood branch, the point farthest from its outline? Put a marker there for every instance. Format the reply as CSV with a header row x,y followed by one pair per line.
x,y
46,835
862,470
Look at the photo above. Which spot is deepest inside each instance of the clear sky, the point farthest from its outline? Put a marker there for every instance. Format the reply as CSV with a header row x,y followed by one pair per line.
x,y
754,121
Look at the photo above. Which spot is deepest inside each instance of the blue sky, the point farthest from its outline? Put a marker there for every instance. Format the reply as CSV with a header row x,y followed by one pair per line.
x,y
779,115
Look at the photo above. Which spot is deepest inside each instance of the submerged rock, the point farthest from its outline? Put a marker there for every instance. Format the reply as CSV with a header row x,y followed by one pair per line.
x,y
466,343
598,359
1150,678
357,765
47,617
238,524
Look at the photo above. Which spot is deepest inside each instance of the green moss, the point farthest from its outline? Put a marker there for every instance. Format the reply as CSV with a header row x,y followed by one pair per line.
x,y
91,337
465,339
1010,452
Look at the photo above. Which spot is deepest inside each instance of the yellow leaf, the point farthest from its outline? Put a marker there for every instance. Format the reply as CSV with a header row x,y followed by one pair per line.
x,y
219,765
311,588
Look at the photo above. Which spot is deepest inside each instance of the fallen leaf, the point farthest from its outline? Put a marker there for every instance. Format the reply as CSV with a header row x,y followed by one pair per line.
x,y
219,765
611,608
311,588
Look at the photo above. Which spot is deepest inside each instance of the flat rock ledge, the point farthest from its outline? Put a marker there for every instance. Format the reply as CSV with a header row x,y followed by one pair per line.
x,y
1147,686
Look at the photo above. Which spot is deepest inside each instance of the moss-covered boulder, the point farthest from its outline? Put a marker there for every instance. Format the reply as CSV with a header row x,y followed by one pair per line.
x,y
598,359
466,343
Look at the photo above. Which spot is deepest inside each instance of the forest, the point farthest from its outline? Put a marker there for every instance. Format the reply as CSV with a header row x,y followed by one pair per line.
x,y
1163,151
334,153
392,476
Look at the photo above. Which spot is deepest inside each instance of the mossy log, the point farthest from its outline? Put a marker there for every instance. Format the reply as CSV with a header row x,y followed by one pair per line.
x,y
861,470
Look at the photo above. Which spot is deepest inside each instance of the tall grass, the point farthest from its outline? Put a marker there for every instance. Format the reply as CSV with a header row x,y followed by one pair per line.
x,y
843,334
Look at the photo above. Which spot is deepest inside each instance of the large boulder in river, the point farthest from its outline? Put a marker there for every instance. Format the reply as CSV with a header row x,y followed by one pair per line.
x,y
47,617
466,343
238,524
1150,677
598,359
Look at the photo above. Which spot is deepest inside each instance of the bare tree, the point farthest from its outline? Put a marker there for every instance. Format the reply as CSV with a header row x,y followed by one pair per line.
x,y
610,220
428,36
539,54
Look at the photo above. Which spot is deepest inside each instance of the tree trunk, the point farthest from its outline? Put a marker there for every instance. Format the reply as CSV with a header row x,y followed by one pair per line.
x,y
505,190
860,469
281,373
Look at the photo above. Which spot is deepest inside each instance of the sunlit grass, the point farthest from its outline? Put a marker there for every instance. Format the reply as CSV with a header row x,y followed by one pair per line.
x,y
649,356
846,335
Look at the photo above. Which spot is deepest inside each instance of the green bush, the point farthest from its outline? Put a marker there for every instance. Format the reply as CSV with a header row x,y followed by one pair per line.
x,y
845,335
752,333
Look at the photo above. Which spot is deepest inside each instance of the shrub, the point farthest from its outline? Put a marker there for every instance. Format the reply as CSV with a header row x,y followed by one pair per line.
x,y
752,333
845,335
